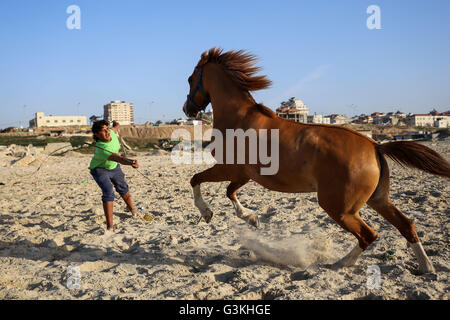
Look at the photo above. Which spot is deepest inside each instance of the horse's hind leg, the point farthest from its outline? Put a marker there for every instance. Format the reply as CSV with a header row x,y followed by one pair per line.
x,y
386,208
241,212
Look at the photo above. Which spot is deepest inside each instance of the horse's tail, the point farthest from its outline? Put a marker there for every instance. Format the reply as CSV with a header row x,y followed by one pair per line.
x,y
416,155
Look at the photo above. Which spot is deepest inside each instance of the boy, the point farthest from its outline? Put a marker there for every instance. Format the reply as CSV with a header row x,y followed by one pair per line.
x,y
106,171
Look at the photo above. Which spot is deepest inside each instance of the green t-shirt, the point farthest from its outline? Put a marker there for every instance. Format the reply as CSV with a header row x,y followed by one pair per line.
x,y
100,159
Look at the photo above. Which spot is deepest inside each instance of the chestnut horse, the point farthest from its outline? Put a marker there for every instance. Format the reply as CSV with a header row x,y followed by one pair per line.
x,y
344,167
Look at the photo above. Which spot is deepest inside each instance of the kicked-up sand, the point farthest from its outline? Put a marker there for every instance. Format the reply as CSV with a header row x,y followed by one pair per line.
x,y
53,243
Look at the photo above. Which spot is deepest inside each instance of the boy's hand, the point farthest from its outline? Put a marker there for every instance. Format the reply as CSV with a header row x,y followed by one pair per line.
x,y
130,162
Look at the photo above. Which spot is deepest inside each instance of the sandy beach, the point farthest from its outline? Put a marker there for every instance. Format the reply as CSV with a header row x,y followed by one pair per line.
x,y
52,221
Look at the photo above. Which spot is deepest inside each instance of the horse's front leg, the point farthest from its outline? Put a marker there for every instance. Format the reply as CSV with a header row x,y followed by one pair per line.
x,y
214,174
241,212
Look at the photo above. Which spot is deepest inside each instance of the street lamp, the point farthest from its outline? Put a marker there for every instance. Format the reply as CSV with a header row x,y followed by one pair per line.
x,y
24,117
150,110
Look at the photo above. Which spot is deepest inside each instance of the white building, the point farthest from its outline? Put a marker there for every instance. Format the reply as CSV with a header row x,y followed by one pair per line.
x,y
441,123
41,120
294,110
119,111
338,119
429,120
318,118
181,121
192,122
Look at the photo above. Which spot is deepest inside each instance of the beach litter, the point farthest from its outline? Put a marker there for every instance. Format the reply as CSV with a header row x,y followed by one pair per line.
x,y
390,254
148,217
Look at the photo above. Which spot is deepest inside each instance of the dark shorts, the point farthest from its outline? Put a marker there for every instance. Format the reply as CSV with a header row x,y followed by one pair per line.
x,y
107,178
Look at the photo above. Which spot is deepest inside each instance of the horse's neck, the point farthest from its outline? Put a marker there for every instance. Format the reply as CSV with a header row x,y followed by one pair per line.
x,y
229,110
230,104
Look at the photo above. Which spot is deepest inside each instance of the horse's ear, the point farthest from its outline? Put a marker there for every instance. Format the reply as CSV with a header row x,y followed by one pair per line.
x,y
203,59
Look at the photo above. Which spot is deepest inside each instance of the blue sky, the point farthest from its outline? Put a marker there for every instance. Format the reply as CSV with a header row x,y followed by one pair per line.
x,y
142,51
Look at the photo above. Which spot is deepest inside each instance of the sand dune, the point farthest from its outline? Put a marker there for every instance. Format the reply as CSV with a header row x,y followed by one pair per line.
x,y
53,220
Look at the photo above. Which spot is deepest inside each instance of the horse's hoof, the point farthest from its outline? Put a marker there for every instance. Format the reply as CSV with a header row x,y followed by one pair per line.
x,y
208,215
426,270
336,266
253,221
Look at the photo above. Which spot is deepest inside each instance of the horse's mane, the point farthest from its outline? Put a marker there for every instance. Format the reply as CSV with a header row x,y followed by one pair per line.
x,y
239,65
266,111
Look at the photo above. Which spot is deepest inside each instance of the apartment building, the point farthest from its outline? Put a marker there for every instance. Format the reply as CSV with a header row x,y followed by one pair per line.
x,y
294,110
120,111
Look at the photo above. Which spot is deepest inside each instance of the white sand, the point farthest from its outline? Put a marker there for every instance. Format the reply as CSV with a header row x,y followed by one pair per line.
x,y
51,221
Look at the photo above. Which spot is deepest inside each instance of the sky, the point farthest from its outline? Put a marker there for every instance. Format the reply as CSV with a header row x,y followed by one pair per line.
x,y
143,51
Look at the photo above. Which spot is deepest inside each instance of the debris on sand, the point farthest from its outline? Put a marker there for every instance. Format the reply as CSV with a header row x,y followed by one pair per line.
x,y
60,146
23,162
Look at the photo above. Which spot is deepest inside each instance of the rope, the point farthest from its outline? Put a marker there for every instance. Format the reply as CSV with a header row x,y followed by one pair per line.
x,y
48,156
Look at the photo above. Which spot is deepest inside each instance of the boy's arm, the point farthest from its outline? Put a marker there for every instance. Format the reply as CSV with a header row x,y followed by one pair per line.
x,y
125,161
115,126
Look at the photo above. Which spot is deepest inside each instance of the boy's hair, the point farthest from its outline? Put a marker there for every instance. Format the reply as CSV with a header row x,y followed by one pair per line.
x,y
97,126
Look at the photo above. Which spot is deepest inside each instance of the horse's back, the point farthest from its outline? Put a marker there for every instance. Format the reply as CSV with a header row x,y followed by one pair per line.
x,y
315,156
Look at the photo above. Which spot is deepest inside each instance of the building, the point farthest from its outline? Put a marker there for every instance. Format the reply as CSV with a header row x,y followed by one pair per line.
x,y
41,120
364,119
379,118
316,118
338,119
400,114
429,120
181,121
294,110
441,123
119,111
192,122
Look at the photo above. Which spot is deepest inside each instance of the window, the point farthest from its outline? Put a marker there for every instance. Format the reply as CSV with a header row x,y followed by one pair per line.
x,y
48,121
78,120
64,120
56,121
71,120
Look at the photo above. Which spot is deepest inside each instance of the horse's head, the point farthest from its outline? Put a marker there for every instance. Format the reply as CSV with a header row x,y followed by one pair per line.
x,y
237,65
197,99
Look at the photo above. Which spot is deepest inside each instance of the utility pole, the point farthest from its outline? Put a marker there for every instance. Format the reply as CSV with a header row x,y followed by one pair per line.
x,y
150,110
24,117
